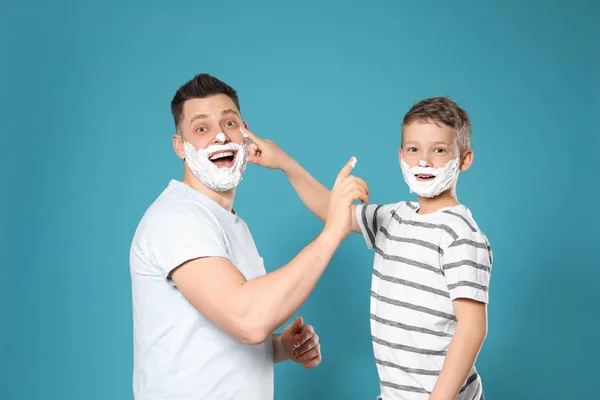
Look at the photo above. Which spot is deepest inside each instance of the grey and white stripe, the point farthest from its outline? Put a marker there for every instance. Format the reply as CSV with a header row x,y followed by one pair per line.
x,y
417,242
408,261
466,221
429,225
413,307
410,349
413,285
409,327
469,263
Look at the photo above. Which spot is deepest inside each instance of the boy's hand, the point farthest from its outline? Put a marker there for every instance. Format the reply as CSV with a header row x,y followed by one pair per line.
x,y
266,153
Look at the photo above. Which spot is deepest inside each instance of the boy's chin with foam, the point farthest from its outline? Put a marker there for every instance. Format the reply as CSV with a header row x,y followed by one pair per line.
x,y
223,159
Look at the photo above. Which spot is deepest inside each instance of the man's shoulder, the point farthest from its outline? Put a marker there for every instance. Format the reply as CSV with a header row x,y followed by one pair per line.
x,y
174,209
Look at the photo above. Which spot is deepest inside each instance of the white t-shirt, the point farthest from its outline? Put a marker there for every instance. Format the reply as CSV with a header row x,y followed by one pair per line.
x,y
178,353
422,263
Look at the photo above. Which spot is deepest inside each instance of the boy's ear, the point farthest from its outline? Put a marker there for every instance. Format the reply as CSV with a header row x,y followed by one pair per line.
x,y
466,160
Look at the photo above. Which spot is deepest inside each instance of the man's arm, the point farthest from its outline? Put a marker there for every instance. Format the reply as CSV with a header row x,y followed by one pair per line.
x,y
279,353
464,347
252,310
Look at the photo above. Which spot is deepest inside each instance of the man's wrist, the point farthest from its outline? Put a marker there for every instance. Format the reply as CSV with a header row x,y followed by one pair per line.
x,y
279,353
330,238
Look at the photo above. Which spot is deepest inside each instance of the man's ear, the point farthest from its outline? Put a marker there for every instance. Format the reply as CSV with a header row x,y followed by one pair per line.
x,y
178,146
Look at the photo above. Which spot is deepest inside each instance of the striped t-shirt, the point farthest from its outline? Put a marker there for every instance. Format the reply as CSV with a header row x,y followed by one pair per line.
x,y
422,263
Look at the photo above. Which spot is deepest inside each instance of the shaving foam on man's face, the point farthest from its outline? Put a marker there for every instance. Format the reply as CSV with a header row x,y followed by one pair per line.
x,y
220,167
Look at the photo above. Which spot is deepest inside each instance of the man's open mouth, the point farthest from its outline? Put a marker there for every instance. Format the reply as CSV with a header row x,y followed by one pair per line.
x,y
424,177
223,159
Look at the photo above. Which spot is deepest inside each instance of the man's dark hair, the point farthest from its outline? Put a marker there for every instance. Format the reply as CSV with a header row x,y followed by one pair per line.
x,y
199,87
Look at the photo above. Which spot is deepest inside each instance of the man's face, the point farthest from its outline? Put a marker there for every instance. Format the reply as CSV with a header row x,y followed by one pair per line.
x,y
203,119
436,145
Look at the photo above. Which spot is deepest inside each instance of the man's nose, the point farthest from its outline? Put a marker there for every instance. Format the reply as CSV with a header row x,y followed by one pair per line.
x,y
221,138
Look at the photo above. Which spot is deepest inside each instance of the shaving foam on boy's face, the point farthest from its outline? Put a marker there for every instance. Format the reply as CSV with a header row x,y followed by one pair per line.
x,y
220,167
430,182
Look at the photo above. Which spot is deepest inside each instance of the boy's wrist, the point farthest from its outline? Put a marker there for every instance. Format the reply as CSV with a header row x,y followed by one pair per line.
x,y
287,164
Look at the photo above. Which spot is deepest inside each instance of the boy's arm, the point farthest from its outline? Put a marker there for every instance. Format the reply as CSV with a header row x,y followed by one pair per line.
x,y
464,348
467,266
313,194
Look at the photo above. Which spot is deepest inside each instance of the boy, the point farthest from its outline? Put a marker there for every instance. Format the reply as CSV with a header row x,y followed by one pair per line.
x,y
432,264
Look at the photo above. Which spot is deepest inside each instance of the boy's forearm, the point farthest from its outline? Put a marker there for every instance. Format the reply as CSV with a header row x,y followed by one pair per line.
x,y
313,194
461,356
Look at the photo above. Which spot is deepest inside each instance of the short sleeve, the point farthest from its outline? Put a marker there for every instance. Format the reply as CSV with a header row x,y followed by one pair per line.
x,y
370,218
180,237
467,264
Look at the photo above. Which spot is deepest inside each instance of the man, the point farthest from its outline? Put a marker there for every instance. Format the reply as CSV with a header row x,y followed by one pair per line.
x,y
204,308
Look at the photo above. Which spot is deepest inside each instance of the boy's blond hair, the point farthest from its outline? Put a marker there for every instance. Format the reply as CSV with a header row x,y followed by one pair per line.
x,y
442,110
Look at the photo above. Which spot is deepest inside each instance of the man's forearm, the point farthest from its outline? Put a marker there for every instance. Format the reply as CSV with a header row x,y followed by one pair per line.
x,y
461,356
313,194
270,300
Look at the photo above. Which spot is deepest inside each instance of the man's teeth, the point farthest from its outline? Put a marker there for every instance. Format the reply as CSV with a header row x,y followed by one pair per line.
x,y
221,155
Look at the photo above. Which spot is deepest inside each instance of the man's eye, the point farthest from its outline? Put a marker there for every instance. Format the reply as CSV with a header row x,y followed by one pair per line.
x,y
201,129
230,123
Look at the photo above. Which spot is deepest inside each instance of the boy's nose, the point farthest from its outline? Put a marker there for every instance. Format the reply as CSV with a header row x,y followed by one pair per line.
x,y
423,163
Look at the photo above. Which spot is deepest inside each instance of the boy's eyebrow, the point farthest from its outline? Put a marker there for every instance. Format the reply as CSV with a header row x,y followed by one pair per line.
x,y
435,143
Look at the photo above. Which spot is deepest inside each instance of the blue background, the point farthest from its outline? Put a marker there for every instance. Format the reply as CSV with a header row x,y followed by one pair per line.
x,y
86,147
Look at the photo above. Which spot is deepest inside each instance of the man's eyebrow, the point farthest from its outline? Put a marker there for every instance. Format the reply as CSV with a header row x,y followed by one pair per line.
x,y
198,116
230,111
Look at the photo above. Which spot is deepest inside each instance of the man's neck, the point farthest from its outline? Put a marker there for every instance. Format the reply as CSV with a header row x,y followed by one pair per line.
x,y
224,199
431,205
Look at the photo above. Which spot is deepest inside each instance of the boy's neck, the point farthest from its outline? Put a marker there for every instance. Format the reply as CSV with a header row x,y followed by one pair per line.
x,y
433,204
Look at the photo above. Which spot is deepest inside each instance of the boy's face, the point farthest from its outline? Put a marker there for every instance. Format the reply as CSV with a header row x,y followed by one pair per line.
x,y
434,144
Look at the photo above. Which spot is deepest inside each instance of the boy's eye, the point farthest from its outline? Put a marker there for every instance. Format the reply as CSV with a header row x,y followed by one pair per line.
x,y
201,129
411,149
230,123
439,150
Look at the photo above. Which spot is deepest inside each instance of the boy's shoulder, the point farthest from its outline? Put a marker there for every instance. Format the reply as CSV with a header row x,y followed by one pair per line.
x,y
462,224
